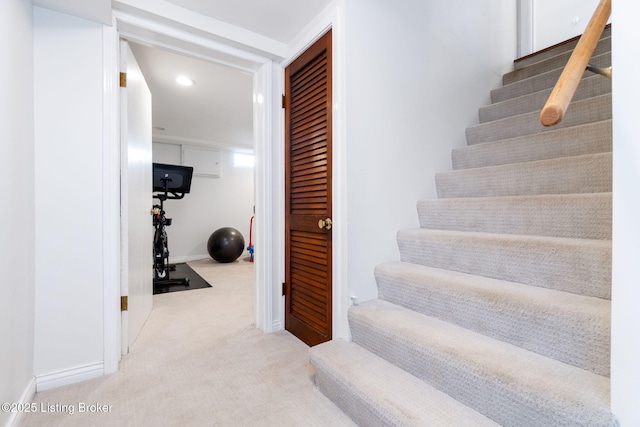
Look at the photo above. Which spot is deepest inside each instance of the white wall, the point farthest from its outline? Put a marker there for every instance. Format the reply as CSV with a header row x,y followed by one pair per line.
x,y
212,203
68,198
556,21
625,364
16,213
416,74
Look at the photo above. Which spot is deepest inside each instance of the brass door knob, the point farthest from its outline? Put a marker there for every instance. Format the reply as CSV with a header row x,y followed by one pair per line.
x,y
325,223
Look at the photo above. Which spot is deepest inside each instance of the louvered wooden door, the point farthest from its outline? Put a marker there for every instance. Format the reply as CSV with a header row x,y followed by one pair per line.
x,y
308,194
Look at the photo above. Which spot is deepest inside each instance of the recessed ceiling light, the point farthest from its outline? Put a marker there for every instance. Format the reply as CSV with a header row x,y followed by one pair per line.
x,y
184,81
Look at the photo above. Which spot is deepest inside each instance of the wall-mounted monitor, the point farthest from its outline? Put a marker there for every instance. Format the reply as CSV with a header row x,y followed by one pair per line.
x,y
177,178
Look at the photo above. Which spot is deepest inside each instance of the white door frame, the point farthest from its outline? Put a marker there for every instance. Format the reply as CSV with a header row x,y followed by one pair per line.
x,y
525,28
266,130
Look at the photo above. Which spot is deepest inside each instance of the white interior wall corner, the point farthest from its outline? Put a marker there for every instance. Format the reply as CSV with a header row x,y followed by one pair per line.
x,y
625,336
68,81
17,245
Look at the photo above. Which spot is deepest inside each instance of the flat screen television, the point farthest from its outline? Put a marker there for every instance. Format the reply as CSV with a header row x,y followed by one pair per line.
x,y
179,178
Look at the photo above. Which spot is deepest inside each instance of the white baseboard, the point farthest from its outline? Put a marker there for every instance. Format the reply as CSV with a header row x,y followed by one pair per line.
x,y
181,259
276,326
69,376
27,397
189,258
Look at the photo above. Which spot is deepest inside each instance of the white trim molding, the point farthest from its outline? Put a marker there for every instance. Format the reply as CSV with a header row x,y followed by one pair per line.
x,y
26,398
333,18
312,31
111,201
341,300
69,376
526,35
199,24
264,258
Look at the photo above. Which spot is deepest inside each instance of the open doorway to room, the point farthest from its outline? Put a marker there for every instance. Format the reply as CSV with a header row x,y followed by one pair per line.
x,y
202,116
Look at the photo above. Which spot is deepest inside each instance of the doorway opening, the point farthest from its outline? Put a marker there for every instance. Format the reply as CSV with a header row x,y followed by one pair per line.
x,y
258,71
207,125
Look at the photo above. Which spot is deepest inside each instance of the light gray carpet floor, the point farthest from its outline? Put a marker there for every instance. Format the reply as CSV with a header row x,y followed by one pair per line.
x,y
199,361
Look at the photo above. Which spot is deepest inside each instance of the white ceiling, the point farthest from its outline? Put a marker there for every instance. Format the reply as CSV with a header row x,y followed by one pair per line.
x,y
280,20
93,10
218,109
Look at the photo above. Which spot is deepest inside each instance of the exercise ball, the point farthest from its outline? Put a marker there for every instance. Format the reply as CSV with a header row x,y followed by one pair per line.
x,y
225,244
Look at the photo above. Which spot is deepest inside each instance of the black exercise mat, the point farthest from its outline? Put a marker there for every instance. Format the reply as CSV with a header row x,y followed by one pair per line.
x,y
182,270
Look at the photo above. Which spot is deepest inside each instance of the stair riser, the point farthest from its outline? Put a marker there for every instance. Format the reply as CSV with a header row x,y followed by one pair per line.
x,y
568,175
589,87
578,266
585,216
566,327
581,112
541,81
508,395
591,138
551,52
558,61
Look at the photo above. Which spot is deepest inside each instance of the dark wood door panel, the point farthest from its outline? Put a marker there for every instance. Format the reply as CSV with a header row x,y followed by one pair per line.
x,y
308,313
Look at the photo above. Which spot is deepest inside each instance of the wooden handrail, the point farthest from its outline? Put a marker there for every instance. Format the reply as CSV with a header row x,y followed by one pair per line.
x,y
565,88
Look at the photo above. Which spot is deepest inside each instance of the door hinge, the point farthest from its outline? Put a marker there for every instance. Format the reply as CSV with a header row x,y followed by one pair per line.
x,y
124,303
284,289
123,79
283,101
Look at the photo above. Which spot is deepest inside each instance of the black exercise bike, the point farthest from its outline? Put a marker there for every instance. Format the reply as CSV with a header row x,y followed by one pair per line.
x,y
170,182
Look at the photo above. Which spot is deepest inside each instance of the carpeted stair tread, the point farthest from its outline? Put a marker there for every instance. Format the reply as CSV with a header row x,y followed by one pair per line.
x,y
590,138
589,173
580,266
374,392
571,328
589,87
582,216
580,112
552,51
552,63
541,81
508,384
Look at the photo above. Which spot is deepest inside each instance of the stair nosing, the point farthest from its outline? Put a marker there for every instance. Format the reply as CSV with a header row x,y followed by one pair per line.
x,y
483,178
498,104
501,299
555,57
572,41
551,218
422,394
554,159
477,134
528,139
533,260
479,234
547,74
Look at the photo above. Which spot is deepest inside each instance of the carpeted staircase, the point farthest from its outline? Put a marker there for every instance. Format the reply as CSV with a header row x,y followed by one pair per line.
x,y
499,311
